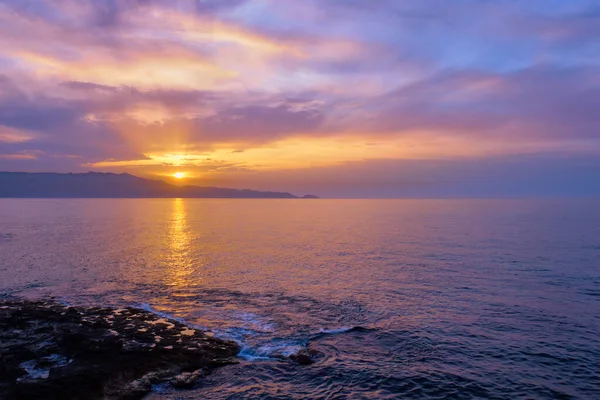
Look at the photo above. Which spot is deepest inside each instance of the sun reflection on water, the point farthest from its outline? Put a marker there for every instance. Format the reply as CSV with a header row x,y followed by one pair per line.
x,y
180,261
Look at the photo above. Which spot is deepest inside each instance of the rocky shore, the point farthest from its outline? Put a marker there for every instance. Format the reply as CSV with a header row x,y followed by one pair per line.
x,y
52,351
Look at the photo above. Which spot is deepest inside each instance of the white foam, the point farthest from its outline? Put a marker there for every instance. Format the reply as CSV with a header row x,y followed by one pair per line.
x,y
147,307
336,331
247,354
270,351
252,325
256,322
33,372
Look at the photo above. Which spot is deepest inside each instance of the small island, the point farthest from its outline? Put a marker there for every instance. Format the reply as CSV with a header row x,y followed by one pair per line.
x,y
109,185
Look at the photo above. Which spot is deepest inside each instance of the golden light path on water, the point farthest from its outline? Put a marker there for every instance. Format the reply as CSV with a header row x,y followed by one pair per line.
x,y
180,266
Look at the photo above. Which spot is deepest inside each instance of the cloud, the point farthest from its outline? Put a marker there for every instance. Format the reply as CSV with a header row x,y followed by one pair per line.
x,y
11,135
538,103
236,87
547,175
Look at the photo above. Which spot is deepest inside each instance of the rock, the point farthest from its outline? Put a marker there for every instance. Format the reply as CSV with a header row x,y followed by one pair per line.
x,y
133,390
305,356
51,351
302,357
187,379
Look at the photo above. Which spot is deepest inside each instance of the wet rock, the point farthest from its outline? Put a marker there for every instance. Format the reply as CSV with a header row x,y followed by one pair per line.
x,y
305,356
131,390
51,351
187,379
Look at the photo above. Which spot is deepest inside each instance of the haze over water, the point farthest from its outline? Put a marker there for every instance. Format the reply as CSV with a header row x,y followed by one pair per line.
x,y
402,298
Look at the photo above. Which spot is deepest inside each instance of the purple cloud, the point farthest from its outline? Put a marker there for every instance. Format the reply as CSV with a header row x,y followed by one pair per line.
x,y
82,82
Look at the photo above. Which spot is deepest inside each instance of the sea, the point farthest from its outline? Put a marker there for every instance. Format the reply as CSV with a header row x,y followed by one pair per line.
x,y
400,299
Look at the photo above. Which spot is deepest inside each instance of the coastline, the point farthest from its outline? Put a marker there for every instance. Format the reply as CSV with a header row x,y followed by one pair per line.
x,y
50,350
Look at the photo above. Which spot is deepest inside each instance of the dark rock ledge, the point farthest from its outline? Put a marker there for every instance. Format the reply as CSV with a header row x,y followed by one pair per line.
x,y
51,351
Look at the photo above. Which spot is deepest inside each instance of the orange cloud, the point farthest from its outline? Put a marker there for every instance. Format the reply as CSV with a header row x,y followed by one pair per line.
x,y
11,135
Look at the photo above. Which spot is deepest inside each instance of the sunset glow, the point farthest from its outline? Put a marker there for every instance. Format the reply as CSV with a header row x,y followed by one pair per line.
x,y
317,89
179,175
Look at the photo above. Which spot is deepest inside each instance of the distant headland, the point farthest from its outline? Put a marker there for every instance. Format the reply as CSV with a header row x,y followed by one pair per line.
x,y
109,185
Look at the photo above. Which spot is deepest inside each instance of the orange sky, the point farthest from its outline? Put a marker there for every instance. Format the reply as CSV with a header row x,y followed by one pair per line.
x,y
230,93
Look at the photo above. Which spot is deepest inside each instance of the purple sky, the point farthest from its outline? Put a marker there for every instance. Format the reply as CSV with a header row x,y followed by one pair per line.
x,y
342,98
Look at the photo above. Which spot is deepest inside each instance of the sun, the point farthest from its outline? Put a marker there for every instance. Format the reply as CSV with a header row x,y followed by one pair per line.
x,y
179,175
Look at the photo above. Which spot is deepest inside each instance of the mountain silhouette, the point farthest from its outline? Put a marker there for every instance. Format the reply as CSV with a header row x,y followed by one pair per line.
x,y
109,185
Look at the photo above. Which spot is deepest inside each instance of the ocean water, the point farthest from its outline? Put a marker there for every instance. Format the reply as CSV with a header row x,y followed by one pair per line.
x,y
416,299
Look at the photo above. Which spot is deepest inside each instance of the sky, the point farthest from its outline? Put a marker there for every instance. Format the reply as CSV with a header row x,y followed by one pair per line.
x,y
339,98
